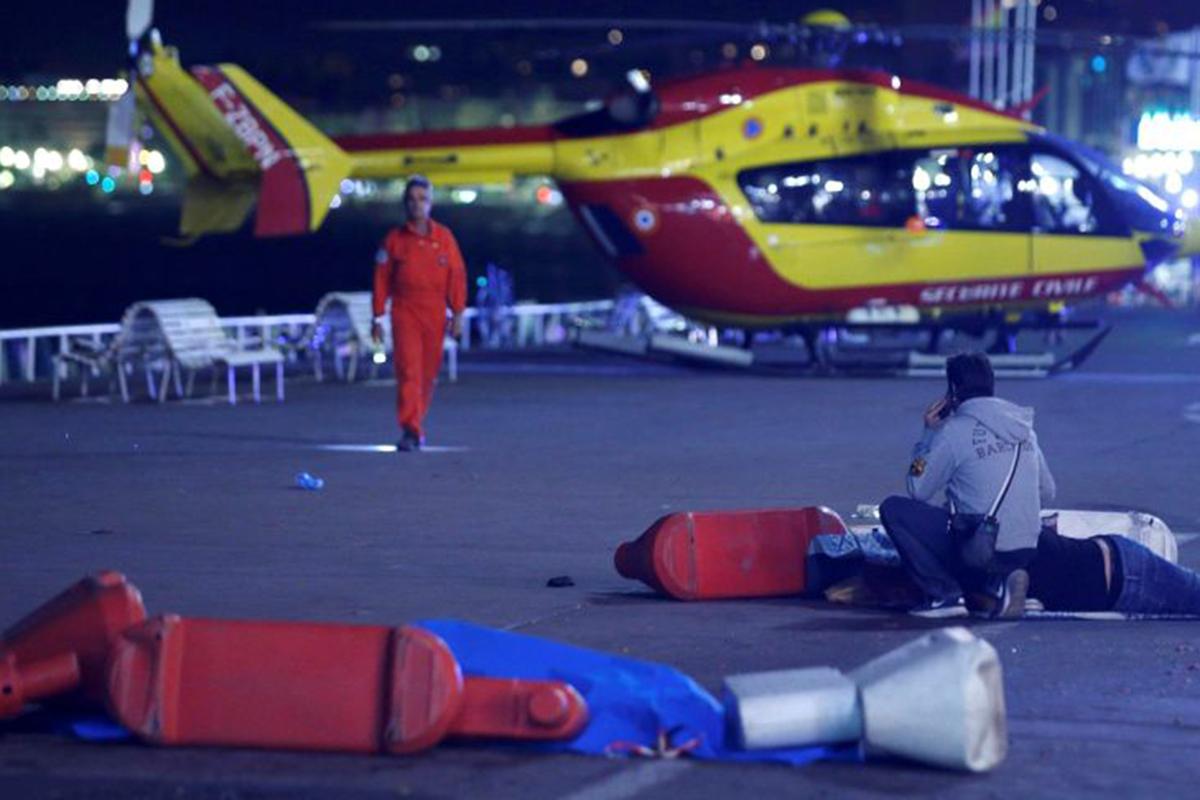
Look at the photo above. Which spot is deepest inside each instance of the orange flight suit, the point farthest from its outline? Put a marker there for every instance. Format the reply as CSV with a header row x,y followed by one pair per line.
x,y
422,275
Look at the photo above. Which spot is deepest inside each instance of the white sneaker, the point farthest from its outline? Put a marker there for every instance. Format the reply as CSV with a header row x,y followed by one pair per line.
x,y
940,608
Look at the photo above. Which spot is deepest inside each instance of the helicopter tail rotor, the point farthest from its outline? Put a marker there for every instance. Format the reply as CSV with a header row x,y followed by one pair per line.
x,y
122,114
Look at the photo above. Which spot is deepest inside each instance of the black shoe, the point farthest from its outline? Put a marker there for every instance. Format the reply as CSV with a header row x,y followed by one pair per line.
x,y
1003,599
408,443
1011,602
940,608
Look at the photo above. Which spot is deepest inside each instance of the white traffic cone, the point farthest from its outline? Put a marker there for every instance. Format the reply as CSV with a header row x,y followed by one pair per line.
x,y
938,700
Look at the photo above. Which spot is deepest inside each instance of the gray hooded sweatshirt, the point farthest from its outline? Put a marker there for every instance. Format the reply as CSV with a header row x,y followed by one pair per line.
x,y
969,456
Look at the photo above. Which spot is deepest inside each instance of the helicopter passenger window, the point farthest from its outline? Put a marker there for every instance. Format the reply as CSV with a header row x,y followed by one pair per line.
x,y
977,188
971,189
995,199
1066,201
863,190
935,184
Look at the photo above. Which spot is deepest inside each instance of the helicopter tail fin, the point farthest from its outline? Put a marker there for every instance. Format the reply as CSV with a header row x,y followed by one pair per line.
x,y
239,143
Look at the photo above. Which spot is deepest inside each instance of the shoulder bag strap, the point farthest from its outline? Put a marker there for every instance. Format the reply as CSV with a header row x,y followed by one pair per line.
x,y
1012,470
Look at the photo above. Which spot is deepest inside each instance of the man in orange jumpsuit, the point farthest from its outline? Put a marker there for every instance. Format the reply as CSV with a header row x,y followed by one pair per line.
x,y
419,267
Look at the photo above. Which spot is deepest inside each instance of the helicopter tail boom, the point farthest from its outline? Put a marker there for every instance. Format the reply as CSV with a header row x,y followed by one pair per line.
x,y
481,155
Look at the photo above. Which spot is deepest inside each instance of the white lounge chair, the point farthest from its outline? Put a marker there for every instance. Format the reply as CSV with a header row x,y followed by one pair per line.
x,y
343,328
192,339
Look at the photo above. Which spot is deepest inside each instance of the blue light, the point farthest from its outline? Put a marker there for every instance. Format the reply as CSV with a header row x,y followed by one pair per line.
x,y
108,184
92,177
1099,64
481,282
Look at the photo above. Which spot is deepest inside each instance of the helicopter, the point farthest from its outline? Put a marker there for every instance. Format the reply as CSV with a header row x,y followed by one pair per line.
x,y
755,198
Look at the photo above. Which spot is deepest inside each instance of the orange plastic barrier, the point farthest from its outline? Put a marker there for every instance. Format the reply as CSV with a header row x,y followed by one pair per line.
x,y
705,556
84,620
318,686
24,683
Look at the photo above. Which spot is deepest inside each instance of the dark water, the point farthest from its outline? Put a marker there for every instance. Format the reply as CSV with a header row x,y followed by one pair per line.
x,y
70,259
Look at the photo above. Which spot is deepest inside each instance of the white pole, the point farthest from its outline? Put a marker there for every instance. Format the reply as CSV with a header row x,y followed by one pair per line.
x,y
989,51
1018,67
1002,60
976,23
1030,51
1195,71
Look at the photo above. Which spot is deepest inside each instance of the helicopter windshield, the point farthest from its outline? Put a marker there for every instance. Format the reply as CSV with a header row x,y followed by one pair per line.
x,y
1143,208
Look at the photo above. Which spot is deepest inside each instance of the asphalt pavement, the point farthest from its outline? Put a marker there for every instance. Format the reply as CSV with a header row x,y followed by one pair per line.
x,y
547,462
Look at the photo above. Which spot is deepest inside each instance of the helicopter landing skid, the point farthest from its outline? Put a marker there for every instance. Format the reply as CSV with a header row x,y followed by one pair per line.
x,y
849,350
830,355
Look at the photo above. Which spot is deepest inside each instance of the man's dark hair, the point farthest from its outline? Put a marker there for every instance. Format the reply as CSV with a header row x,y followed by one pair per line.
x,y
416,180
970,375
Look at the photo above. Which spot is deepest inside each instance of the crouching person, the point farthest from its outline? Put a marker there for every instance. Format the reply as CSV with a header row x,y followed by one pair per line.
x,y
982,452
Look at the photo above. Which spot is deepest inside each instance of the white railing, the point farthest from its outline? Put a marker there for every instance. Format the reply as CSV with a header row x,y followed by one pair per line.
x,y
525,324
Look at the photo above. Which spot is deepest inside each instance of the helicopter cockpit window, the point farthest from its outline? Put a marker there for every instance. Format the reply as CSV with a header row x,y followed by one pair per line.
x,y
1067,201
863,190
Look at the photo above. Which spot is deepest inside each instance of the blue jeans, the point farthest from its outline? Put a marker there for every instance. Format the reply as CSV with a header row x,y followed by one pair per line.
x,y
1153,585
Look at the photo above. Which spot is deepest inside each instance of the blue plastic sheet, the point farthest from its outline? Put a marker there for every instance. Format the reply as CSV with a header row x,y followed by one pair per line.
x,y
90,727
630,703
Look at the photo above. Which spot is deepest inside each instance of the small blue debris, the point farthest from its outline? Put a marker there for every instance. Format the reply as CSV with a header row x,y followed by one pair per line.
x,y
309,482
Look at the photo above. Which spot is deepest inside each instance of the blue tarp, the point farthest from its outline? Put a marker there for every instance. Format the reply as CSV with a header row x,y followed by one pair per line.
x,y
629,702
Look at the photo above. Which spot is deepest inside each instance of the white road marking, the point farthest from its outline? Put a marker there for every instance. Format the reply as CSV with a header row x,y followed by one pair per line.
x,y
631,782
388,448
1184,538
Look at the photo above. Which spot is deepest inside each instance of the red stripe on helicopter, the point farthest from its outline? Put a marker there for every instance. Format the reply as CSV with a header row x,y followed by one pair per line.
x,y
283,198
201,164
698,256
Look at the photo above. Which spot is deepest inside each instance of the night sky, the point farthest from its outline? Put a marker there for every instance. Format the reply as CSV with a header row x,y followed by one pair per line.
x,y
77,37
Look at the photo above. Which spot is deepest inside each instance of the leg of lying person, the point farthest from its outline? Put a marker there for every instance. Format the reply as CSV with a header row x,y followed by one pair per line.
x,y
921,533
1151,584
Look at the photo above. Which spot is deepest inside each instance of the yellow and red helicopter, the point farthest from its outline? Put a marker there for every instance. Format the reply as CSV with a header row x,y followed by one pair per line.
x,y
755,197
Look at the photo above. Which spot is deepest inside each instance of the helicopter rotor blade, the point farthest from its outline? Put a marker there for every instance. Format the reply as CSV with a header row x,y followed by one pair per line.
x,y
122,114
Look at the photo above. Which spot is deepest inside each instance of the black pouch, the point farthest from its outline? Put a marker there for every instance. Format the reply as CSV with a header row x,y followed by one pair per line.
x,y
976,536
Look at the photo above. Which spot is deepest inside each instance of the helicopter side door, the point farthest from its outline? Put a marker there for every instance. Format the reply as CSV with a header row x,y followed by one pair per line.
x,y
1078,233
971,219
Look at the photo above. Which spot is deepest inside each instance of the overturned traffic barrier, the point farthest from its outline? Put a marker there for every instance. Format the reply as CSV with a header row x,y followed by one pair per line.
x,y
28,682
315,686
706,556
938,700
319,686
84,620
